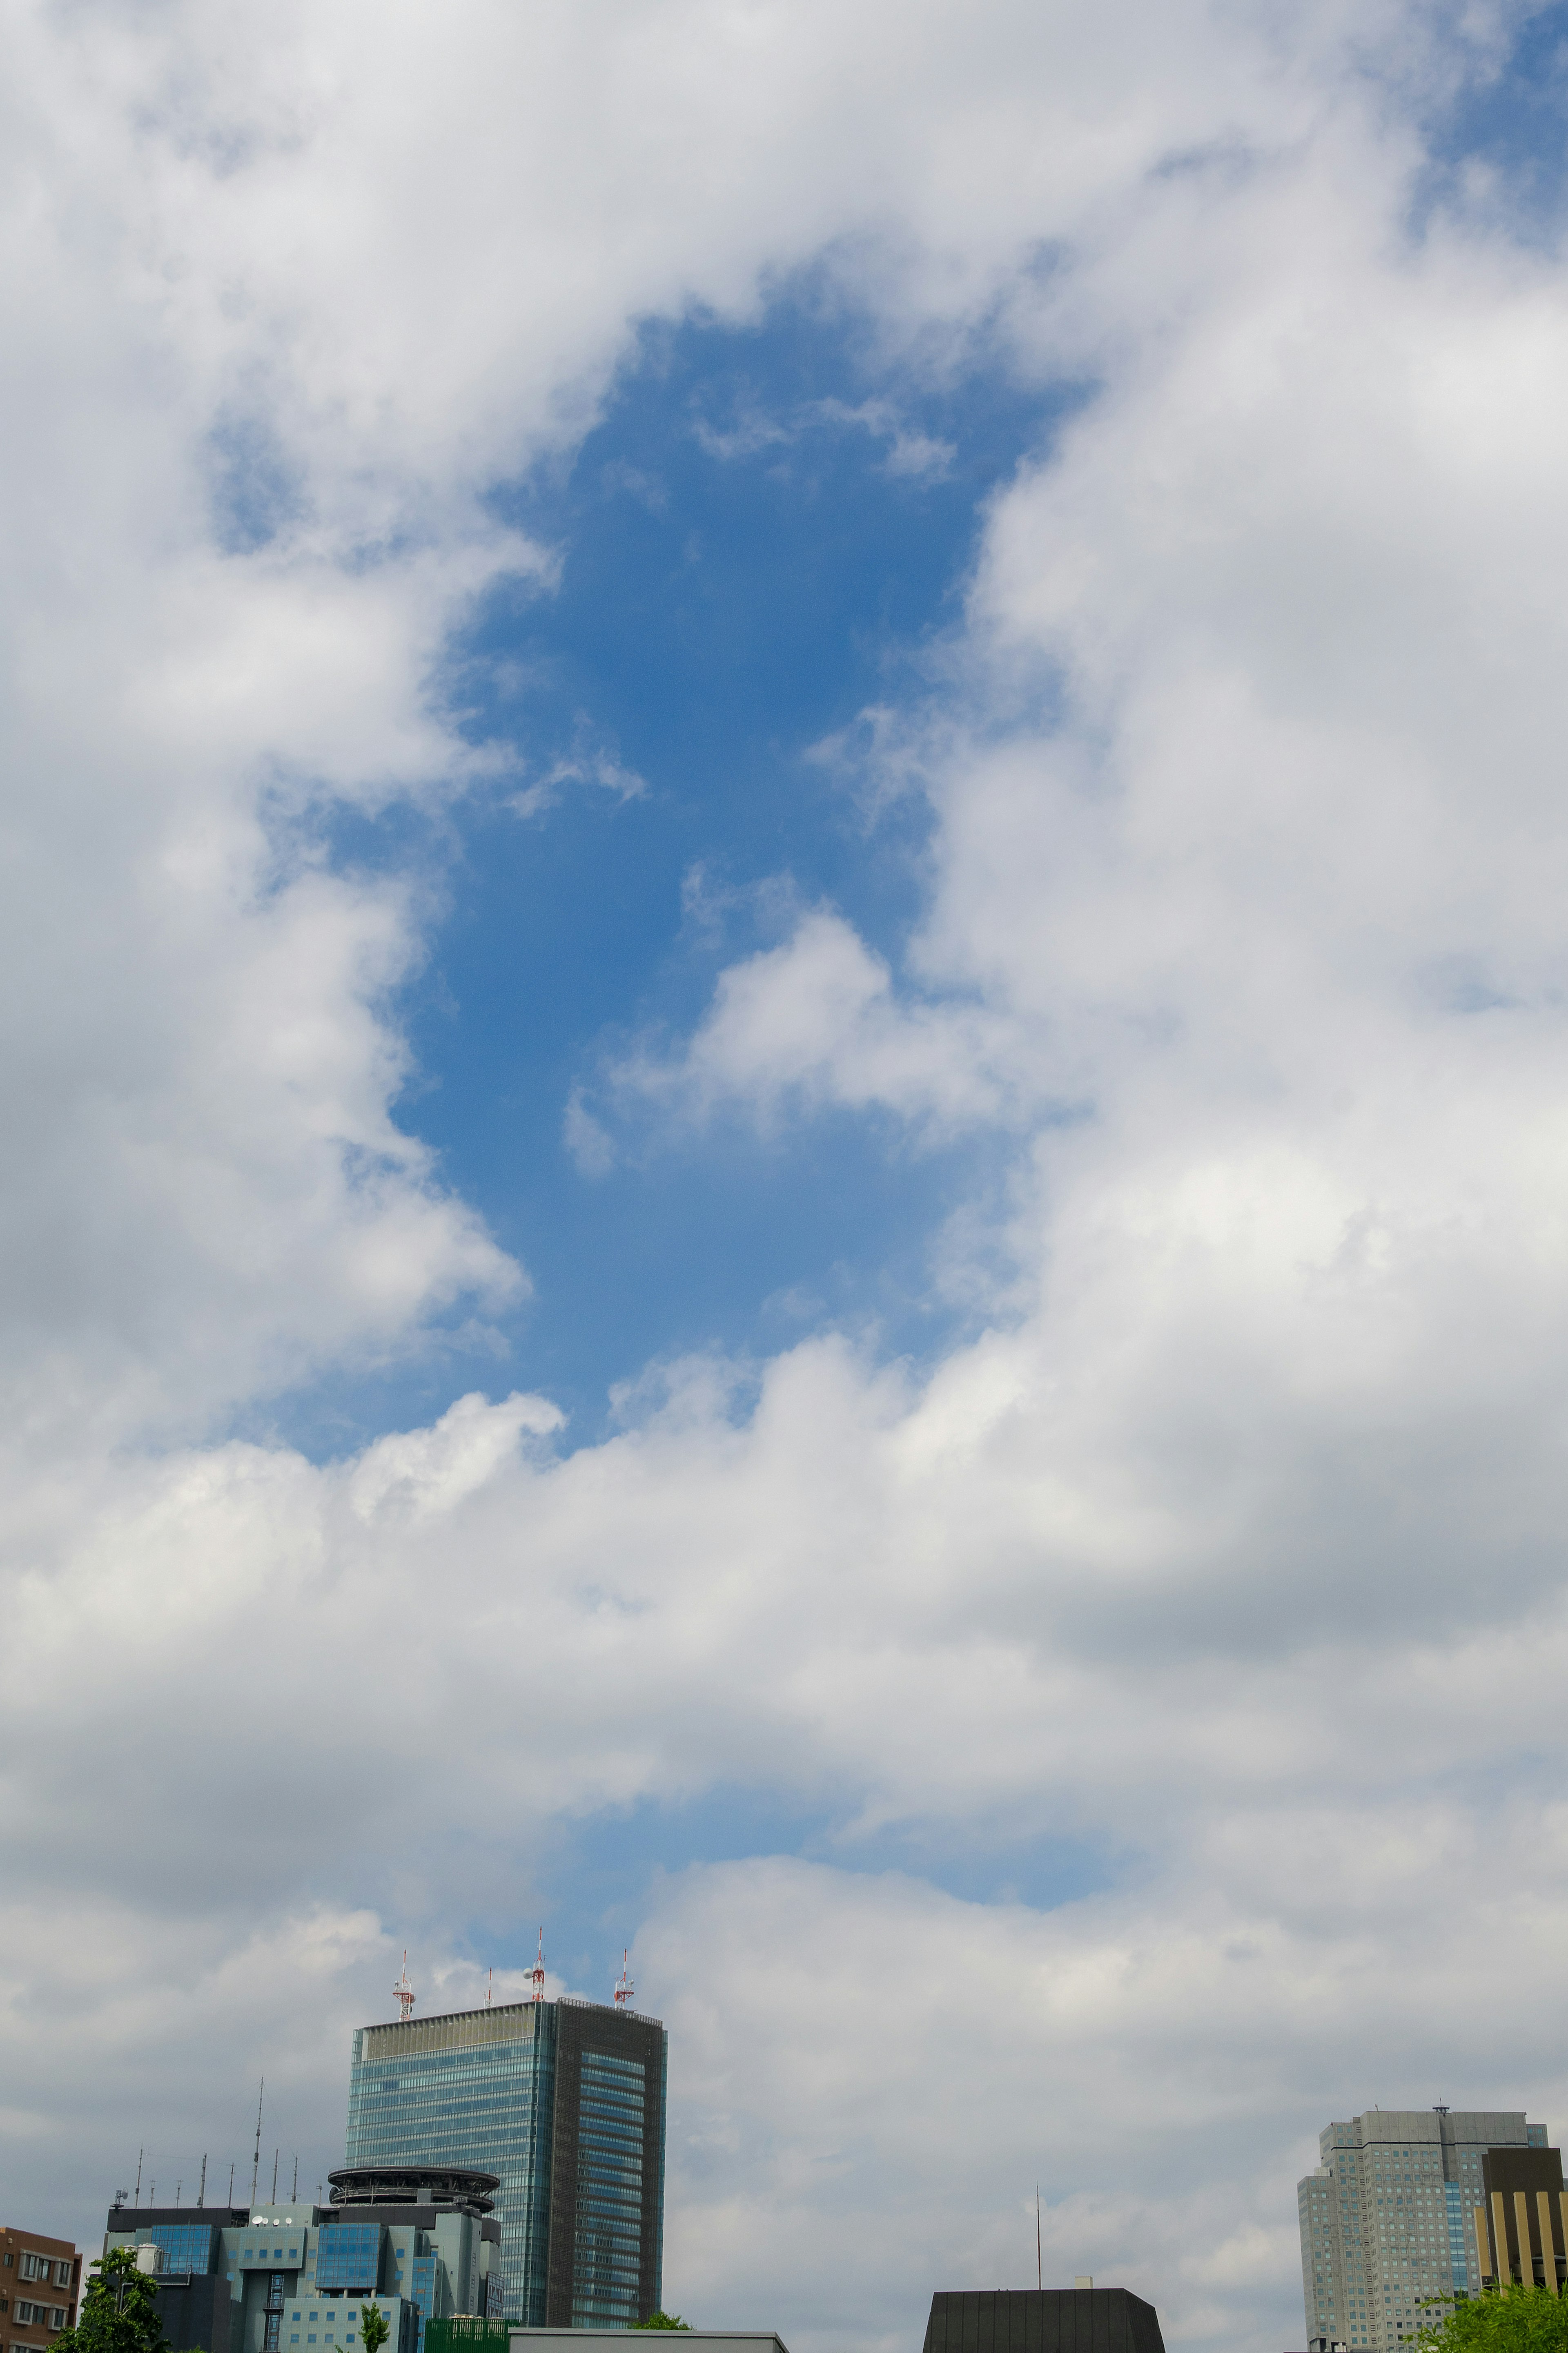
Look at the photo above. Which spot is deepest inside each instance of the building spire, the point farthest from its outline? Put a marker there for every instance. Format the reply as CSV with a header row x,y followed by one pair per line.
x,y
402,1993
623,1986
537,1971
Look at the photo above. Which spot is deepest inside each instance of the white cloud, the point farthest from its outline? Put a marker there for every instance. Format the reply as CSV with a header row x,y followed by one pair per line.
x,y
816,1022
1231,1552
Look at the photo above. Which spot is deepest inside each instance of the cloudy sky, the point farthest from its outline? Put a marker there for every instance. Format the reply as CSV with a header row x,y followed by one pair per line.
x,y
785,912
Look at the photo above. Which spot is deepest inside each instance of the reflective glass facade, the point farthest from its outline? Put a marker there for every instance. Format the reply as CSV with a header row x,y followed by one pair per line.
x,y
474,2098
565,2102
187,2246
348,2255
608,2233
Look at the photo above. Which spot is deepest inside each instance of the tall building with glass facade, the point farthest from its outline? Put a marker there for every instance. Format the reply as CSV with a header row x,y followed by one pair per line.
x,y
565,2102
1389,2220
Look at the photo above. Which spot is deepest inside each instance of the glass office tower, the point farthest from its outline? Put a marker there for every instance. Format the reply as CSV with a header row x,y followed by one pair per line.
x,y
566,2102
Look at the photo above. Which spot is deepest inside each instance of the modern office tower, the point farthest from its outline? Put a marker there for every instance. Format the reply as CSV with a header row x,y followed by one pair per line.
x,y
1521,2228
1043,2320
40,2282
1388,2219
564,2102
295,2278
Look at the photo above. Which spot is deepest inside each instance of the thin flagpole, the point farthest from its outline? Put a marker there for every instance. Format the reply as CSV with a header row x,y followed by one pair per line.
x,y
1040,2265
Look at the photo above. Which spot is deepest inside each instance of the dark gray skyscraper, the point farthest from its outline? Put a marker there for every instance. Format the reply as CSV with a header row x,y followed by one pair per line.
x,y
564,2101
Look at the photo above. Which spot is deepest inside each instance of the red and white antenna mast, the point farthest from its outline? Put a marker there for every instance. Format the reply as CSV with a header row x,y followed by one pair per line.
x,y
537,1971
490,1989
402,1993
624,1985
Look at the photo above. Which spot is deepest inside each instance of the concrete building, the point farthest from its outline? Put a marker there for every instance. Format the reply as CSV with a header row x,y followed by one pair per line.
x,y
40,2280
1388,2219
1522,2225
564,2102
295,2278
1043,2320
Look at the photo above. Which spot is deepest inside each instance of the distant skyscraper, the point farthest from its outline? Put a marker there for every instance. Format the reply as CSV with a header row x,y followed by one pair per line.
x,y
566,2102
1389,2219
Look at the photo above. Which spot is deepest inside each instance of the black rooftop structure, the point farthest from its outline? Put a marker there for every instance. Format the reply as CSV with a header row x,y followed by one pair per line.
x,y
447,2187
1043,2320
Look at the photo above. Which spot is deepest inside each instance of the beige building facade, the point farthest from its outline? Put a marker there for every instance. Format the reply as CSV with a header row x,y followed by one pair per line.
x,y
1522,2225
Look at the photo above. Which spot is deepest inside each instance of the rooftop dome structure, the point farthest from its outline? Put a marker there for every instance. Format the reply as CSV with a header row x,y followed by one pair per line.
x,y
457,2189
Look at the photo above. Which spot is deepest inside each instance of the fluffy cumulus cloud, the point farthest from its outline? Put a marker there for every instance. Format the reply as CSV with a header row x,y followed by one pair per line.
x,y
1223,1551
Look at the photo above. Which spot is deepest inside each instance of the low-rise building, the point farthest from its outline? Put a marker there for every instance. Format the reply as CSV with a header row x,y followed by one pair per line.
x,y
40,2280
1085,2319
295,2277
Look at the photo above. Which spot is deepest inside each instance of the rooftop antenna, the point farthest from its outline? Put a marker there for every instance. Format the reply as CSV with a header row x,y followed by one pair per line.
x,y
537,1972
624,1985
256,2161
490,1989
152,2195
402,1993
231,2181
276,2154
1039,2266
202,2192
295,2191
178,2187
140,2154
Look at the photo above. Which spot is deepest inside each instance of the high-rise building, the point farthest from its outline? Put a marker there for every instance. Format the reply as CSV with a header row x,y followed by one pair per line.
x,y
565,2102
295,2278
1388,2219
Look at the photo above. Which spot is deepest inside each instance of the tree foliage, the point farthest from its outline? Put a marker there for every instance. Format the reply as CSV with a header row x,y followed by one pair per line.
x,y
373,2328
118,2310
662,2320
1516,2319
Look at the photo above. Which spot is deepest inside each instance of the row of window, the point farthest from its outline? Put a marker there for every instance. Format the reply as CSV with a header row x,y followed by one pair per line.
x,y
39,2315
44,2267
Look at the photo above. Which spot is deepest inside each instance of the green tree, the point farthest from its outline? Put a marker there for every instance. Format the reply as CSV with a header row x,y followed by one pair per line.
x,y
1516,2319
662,2320
373,2328
118,2310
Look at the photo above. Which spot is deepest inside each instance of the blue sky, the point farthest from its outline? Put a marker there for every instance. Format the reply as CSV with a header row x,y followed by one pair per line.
x,y
744,569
